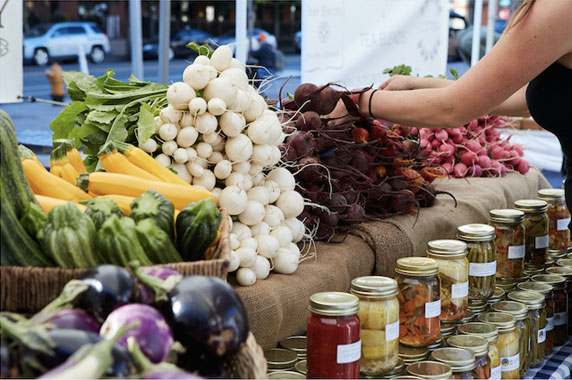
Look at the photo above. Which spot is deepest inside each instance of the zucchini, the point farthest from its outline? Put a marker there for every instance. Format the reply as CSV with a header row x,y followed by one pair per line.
x,y
117,242
157,244
99,210
33,221
197,227
154,206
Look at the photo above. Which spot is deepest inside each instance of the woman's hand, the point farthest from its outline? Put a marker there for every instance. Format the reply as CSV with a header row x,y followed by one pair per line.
x,y
397,83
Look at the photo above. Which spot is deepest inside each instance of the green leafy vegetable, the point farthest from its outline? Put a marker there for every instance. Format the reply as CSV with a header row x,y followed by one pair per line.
x,y
398,70
204,49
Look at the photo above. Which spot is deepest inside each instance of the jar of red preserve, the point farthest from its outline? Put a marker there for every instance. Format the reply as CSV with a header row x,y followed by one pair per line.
x,y
333,336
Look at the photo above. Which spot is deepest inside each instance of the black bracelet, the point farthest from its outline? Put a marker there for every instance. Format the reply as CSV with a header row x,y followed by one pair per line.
x,y
369,106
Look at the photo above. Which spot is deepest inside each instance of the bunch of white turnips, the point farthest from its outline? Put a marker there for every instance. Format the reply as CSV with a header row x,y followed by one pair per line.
x,y
217,133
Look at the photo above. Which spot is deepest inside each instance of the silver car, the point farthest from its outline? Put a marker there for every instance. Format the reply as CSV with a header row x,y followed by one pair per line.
x,y
46,42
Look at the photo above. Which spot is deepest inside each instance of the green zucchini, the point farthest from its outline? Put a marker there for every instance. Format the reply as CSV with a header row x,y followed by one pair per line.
x,y
154,206
197,228
117,242
100,209
33,221
157,244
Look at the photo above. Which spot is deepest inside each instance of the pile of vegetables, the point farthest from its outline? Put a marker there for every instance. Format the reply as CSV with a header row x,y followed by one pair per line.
x,y
100,326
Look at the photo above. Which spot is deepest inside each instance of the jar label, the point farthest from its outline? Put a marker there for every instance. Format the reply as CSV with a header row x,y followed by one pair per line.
x,y
560,318
392,331
495,373
432,309
562,224
460,290
349,353
549,324
516,251
541,335
483,269
541,242
510,363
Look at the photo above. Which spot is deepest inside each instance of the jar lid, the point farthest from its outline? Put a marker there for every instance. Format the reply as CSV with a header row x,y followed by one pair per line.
x,y
498,295
430,370
280,358
476,232
447,248
504,321
285,375
301,366
557,282
447,326
294,343
564,262
506,215
334,304
406,377
413,353
539,287
531,271
532,300
531,205
485,330
565,272
459,359
476,344
374,286
477,303
516,308
469,316
551,194
556,254
417,266
438,343
395,371
568,254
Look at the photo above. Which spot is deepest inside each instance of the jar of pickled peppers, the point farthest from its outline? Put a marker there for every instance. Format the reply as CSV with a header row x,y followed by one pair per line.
x,y
480,239
479,347
451,255
509,342
419,293
565,272
491,334
535,230
558,284
461,361
546,291
558,218
509,231
379,318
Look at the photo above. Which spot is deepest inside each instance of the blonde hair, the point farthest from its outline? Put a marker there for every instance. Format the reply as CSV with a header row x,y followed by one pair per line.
x,y
520,13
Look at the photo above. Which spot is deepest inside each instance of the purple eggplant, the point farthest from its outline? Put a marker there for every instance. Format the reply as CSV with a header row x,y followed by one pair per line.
x,y
151,332
76,319
5,357
154,282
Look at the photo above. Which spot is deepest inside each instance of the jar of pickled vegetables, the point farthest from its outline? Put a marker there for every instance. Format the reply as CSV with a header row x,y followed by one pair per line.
x,y
506,284
461,361
558,284
333,336
379,318
470,316
479,347
478,306
564,263
537,322
419,294
480,239
520,313
430,370
558,218
412,354
565,272
509,231
448,328
451,255
509,340
546,291
498,295
535,230
491,334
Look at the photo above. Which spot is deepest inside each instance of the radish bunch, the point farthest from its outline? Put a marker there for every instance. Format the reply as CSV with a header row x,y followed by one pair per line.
x,y
217,133
473,150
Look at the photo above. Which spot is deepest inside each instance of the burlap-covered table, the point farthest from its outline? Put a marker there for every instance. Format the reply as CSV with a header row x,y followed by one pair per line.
x,y
277,307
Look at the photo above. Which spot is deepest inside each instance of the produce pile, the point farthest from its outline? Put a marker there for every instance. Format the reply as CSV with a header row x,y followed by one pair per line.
x,y
100,326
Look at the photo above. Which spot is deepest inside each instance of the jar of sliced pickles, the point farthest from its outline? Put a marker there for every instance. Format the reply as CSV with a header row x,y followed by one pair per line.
x,y
419,295
480,239
558,218
429,369
491,334
537,323
565,272
461,361
509,231
520,313
509,340
546,291
498,295
379,318
558,284
451,255
479,347
535,230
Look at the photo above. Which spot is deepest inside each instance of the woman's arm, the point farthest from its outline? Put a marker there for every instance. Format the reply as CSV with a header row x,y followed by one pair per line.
x,y
406,82
514,106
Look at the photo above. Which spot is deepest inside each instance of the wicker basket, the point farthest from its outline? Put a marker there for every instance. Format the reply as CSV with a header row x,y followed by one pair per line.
x,y
29,289
249,362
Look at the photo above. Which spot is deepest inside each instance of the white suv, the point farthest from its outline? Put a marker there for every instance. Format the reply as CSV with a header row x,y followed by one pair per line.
x,y
45,42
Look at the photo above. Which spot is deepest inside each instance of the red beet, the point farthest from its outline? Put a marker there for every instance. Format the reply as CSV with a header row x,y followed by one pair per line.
x,y
324,100
308,121
302,143
303,95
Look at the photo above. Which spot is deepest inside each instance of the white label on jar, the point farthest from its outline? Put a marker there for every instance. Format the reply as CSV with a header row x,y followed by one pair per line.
x,y
349,353
392,331
541,242
483,269
516,251
541,335
432,309
549,324
560,318
510,363
562,224
495,373
460,290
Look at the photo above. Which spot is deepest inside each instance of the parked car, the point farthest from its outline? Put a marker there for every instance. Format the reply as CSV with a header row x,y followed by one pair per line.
x,y
178,44
229,38
47,42
457,23
298,40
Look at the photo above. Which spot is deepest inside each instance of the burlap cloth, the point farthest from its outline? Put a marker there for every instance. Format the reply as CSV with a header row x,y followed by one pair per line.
x,y
277,307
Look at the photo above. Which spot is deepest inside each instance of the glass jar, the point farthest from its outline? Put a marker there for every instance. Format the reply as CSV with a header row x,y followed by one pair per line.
x,y
520,313
333,336
448,328
469,317
564,263
379,318
296,343
537,321
532,271
558,284
509,340
280,359
565,272
480,239
558,218
301,367
411,355
461,361
506,284
498,296
509,231
478,306
535,230
479,347
451,255
491,334
291,375
546,291
430,370
419,294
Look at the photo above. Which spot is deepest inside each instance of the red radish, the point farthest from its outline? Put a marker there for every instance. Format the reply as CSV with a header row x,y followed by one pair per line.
x,y
360,135
457,139
378,132
496,167
497,152
414,131
475,171
473,146
447,150
483,152
442,135
435,144
469,158
484,162
515,158
522,167
460,170
462,130
519,149
448,167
